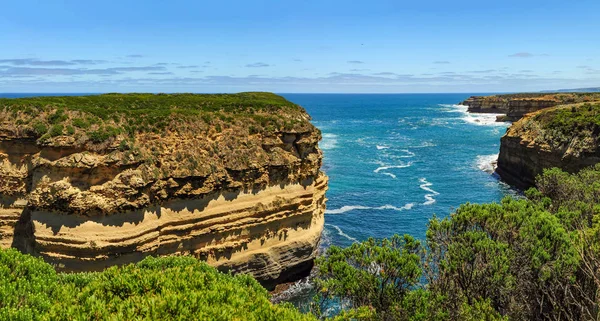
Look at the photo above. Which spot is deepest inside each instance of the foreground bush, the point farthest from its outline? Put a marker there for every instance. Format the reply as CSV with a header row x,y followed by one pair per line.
x,y
172,288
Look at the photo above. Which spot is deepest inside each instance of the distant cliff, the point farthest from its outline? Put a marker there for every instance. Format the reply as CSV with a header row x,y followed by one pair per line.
x,y
567,137
515,106
234,180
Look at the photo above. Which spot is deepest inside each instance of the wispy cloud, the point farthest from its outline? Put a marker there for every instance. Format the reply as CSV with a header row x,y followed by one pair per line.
x,y
135,56
340,82
441,62
38,62
526,55
385,73
589,70
487,71
257,65
188,67
355,62
38,71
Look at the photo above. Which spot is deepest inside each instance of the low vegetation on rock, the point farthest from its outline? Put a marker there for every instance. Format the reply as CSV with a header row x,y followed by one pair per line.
x,y
559,98
98,118
564,123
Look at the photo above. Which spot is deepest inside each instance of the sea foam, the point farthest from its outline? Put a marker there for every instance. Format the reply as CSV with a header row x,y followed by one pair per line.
x,y
382,168
341,233
487,163
426,186
329,141
481,119
348,208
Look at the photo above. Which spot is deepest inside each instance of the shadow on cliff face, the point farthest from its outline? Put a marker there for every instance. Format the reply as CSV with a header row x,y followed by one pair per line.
x,y
23,237
56,221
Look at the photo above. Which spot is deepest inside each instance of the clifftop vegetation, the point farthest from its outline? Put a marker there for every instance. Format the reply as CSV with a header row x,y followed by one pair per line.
x,y
574,126
98,118
560,98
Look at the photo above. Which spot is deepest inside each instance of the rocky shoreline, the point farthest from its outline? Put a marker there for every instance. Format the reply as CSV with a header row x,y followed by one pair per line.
x,y
515,106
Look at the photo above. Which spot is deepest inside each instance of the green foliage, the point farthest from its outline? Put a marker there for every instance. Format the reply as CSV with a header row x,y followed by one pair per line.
x,y
372,273
39,128
56,130
98,115
81,123
172,288
526,259
27,286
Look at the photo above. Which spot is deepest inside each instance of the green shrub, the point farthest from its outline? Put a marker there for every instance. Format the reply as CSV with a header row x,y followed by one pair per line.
x,y
171,288
56,130
39,128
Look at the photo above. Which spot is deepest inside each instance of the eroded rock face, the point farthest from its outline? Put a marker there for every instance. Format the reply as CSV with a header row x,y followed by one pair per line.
x,y
533,144
242,199
515,106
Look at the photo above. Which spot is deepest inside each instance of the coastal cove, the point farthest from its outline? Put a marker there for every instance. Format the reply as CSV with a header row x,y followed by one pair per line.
x,y
396,160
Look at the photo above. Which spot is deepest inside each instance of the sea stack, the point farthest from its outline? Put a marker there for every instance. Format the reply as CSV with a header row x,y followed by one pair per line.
x,y
93,181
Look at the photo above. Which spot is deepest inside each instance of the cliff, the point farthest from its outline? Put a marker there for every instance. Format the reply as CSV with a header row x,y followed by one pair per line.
x,y
566,136
515,106
94,181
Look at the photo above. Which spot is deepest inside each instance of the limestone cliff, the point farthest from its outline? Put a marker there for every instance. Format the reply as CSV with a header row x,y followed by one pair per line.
x,y
235,180
566,136
515,106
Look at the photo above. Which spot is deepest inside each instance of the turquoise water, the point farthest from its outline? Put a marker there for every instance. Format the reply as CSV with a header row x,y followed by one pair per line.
x,y
394,161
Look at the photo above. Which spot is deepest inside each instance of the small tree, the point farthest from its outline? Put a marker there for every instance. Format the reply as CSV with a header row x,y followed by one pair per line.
x,y
376,274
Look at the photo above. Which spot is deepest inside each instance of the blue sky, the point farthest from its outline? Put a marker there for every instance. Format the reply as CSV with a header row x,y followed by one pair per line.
x,y
298,46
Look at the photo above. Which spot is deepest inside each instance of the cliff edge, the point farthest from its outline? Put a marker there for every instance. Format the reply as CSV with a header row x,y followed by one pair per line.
x,y
566,136
92,181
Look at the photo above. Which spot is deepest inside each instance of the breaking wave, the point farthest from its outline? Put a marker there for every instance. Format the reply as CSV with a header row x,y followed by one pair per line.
x,y
348,208
426,186
487,163
329,141
341,233
382,168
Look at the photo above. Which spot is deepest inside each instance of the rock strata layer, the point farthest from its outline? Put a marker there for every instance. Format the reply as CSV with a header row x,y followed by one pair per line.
x,y
237,186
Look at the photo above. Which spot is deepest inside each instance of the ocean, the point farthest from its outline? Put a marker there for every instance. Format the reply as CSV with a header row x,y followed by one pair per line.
x,y
394,161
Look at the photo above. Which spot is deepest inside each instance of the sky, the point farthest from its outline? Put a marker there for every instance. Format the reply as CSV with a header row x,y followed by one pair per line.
x,y
301,46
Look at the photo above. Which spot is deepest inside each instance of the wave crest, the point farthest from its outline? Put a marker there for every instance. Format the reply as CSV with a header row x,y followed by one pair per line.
x,y
426,186
348,208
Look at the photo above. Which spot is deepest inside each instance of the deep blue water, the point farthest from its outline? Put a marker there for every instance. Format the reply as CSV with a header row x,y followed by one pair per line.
x,y
394,161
